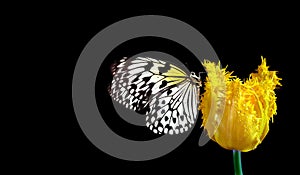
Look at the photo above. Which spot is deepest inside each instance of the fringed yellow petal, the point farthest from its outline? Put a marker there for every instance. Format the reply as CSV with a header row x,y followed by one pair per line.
x,y
236,114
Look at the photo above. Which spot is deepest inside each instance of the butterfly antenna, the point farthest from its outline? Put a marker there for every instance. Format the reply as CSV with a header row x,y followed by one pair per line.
x,y
201,73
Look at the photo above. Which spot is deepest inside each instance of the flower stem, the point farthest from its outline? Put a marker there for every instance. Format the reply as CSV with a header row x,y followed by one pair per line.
x,y
237,163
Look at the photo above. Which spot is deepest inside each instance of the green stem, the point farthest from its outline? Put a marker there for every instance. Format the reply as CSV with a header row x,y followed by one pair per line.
x,y
237,163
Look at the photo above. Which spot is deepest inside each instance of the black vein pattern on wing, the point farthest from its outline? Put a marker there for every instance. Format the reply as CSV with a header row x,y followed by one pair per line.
x,y
131,85
178,120
142,84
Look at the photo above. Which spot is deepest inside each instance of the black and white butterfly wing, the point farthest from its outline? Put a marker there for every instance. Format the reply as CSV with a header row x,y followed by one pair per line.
x,y
135,80
143,84
175,110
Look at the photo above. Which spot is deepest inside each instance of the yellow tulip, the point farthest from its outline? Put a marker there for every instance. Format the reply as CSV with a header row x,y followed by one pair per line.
x,y
236,114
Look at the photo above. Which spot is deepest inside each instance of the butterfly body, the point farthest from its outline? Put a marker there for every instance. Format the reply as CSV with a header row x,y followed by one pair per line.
x,y
166,94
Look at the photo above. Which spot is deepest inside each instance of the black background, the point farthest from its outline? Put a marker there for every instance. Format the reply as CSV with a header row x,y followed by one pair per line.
x,y
239,37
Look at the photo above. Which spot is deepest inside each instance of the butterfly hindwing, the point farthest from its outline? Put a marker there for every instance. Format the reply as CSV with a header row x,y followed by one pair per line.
x,y
175,110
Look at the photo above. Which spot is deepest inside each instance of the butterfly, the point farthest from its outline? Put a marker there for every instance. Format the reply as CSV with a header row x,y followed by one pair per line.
x,y
166,94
